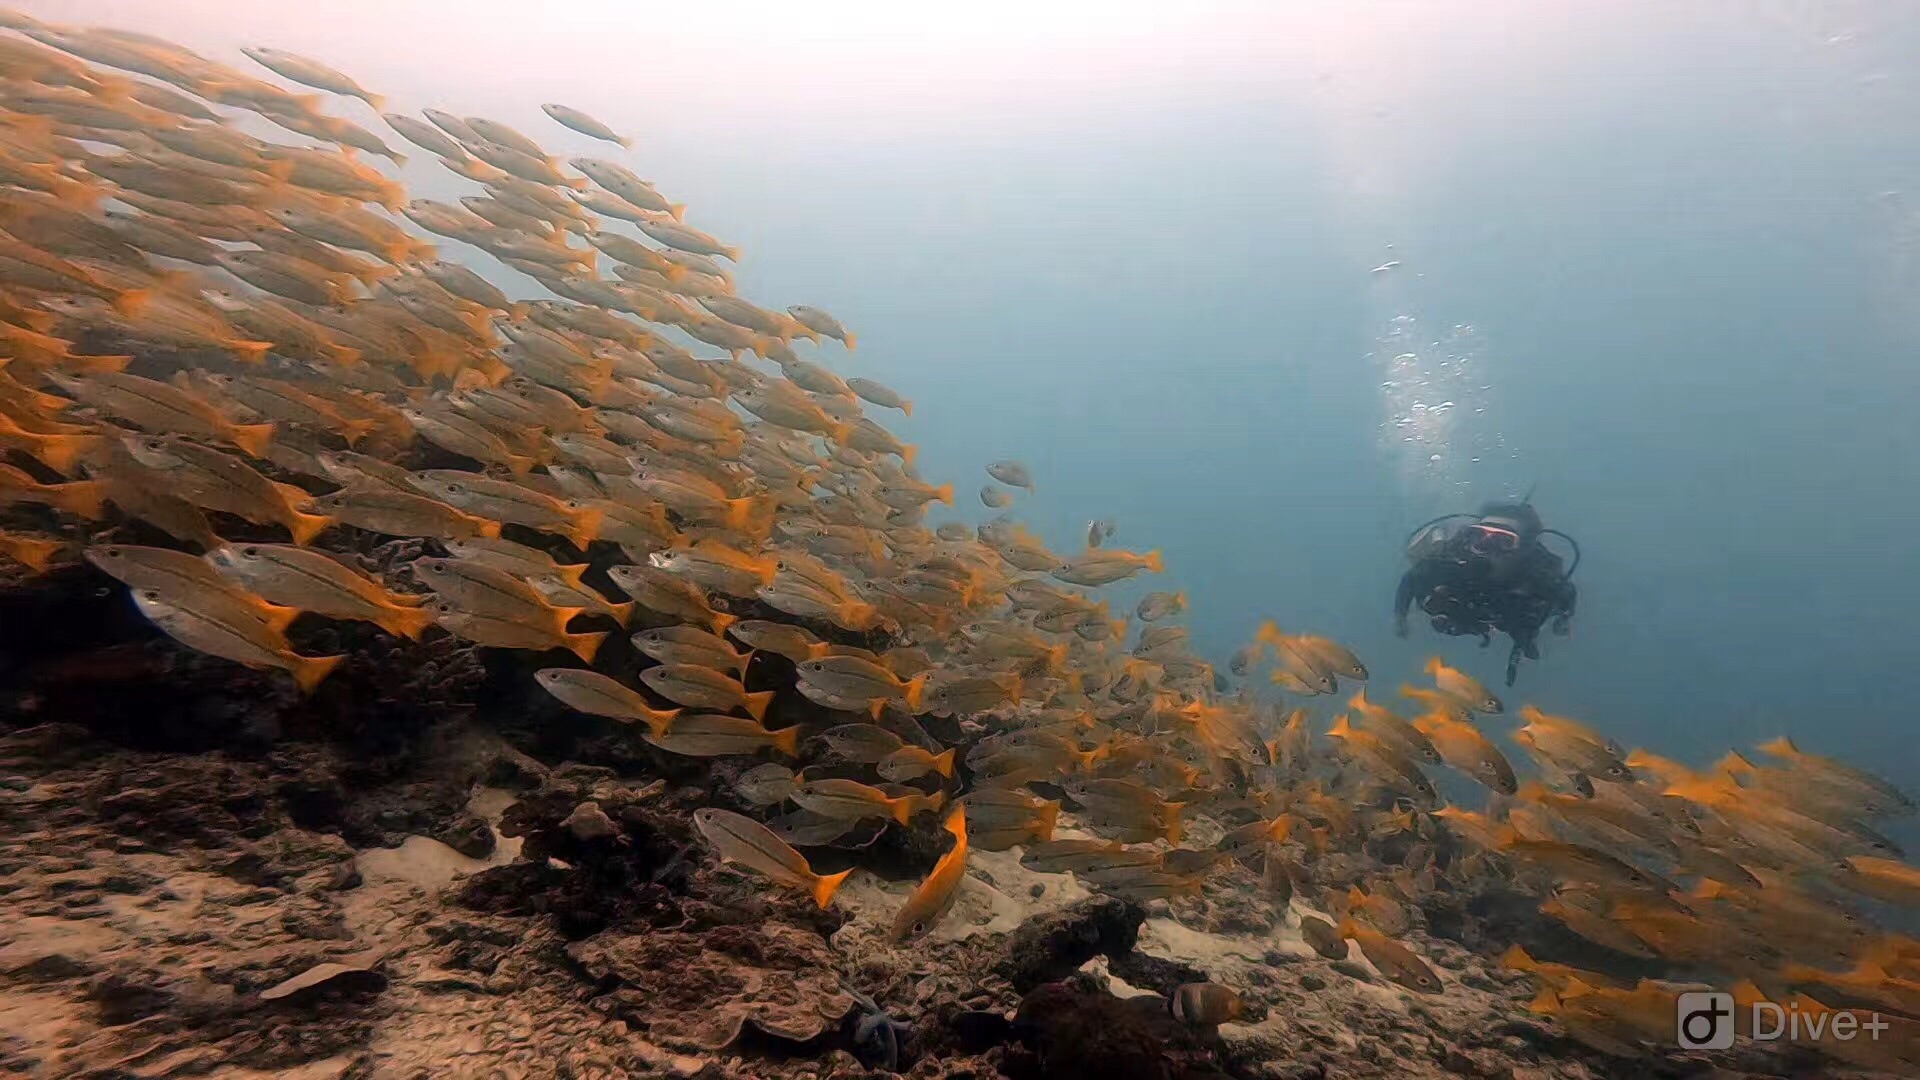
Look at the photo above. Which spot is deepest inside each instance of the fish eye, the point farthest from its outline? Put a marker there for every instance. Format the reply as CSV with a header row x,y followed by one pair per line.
x,y
250,552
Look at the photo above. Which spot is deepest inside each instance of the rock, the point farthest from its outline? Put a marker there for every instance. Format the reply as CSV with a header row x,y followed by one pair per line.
x,y
1050,946
588,823
469,836
1354,971
344,877
1310,981
1154,973
333,977
436,981
697,990
1077,1034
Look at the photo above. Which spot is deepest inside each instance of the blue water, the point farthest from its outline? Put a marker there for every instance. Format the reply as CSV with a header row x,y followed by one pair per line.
x,y
1678,252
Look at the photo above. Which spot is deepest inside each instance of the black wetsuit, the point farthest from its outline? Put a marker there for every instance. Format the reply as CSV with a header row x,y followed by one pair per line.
x,y
1468,593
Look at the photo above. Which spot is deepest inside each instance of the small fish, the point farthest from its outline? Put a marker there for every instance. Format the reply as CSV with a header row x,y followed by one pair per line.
x,y
505,501
1160,605
1104,567
1394,960
932,898
691,645
863,744
853,679
1323,937
1001,811
910,762
712,735
488,590
215,480
213,628
668,595
582,123
1205,1005
1393,729
518,559
740,839
310,73
511,633
162,408
1463,687
704,688
600,695
1462,746
822,323
1083,856
880,395
314,581
781,639
1385,761
1567,749
765,785
1012,474
994,499
400,513
852,800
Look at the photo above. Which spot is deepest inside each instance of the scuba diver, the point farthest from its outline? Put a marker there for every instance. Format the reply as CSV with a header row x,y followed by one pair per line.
x,y
1492,575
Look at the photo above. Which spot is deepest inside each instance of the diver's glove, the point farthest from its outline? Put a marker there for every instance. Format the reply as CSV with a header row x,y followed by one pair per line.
x,y
1560,626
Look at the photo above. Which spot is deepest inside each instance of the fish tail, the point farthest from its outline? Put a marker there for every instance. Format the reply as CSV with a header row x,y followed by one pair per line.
x,y
355,430
943,762
757,704
787,739
489,530
131,302
1173,822
1049,816
252,439
76,196
902,808
825,885
82,498
61,453
721,620
850,339
622,613
406,622
1154,564
521,466
731,254
308,671
37,555
1433,665
585,646
915,688
1781,747
876,707
676,211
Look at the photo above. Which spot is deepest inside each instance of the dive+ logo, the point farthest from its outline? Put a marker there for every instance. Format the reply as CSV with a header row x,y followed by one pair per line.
x,y
1705,1021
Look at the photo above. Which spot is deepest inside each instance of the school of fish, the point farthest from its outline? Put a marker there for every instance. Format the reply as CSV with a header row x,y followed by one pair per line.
x,y
252,345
